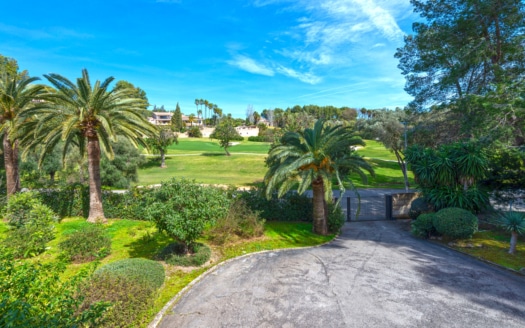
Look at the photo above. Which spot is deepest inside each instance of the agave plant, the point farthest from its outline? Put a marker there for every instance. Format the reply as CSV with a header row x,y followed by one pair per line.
x,y
513,222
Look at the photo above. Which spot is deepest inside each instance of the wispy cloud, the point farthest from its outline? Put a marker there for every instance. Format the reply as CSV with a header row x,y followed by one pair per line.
x,y
49,33
303,77
250,65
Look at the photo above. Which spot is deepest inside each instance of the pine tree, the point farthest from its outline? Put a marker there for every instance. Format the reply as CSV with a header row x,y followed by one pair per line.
x,y
176,119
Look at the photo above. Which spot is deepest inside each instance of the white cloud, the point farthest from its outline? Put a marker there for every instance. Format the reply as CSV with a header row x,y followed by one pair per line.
x,y
303,77
250,65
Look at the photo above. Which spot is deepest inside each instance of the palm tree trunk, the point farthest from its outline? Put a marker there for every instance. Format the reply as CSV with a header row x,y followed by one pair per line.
x,y
513,242
162,159
11,165
319,225
96,212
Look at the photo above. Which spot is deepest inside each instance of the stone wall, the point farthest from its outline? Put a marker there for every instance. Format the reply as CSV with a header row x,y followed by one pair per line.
x,y
401,204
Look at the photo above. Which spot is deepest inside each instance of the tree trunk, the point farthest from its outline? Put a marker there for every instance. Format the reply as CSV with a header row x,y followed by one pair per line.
x,y
513,242
52,176
319,225
11,165
96,212
403,166
162,159
227,152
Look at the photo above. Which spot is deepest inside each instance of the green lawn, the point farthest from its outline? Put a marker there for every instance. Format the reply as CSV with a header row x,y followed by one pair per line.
x,y
203,160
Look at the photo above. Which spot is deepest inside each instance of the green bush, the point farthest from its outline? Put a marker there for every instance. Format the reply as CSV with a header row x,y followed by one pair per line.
x,y
336,218
240,222
36,295
30,239
291,207
419,206
423,225
455,223
18,207
130,301
71,200
139,270
183,209
129,205
194,132
175,254
87,244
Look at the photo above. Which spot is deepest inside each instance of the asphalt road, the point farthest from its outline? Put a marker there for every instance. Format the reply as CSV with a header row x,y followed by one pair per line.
x,y
374,275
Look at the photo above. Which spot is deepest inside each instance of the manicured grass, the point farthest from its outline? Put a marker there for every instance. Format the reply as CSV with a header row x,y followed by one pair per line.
x,y
134,239
203,160
493,246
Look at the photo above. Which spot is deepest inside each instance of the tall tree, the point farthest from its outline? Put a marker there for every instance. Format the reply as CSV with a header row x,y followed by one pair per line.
x,y
17,94
315,157
225,132
465,49
191,119
90,117
176,119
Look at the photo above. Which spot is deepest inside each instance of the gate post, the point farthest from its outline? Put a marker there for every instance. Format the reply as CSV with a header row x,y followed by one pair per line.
x,y
348,212
388,207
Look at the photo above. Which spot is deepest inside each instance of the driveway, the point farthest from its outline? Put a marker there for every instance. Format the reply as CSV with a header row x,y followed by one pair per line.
x,y
374,275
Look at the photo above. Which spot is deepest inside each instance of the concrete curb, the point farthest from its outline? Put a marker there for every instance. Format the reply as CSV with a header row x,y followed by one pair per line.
x,y
179,295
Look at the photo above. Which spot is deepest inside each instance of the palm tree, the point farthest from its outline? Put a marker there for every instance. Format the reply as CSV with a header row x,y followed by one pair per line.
x,y
89,117
199,116
315,158
191,119
513,222
16,95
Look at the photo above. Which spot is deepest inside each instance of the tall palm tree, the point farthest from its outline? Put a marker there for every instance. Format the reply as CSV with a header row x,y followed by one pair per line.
x,y
191,119
16,95
89,117
315,158
199,116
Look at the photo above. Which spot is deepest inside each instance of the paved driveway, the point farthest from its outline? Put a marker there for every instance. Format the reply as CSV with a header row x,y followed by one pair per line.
x,y
374,275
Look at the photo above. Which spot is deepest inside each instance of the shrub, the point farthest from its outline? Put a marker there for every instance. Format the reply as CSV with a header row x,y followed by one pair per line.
x,y
30,239
291,207
139,270
194,132
423,225
130,300
419,206
18,207
176,254
129,205
36,295
336,218
455,223
87,244
71,200
184,209
240,222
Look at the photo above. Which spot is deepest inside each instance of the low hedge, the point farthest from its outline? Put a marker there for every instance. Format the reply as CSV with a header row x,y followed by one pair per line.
x,y
139,270
455,223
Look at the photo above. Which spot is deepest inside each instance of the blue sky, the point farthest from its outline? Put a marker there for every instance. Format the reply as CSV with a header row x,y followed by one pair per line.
x,y
234,53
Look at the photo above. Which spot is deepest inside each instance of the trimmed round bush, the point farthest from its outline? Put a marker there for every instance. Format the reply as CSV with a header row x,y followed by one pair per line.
x,y
455,223
423,226
174,254
419,206
139,270
87,244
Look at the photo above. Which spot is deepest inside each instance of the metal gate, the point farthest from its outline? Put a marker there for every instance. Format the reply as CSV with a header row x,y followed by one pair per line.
x,y
370,208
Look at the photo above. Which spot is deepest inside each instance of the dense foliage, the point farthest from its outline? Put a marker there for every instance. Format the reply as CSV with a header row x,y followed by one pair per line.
x,y
142,271
423,225
455,223
183,209
449,176
177,254
419,206
35,295
225,132
88,243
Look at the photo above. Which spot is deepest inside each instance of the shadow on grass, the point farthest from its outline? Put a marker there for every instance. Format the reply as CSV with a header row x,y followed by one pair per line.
x,y
213,154
151,162
149,245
